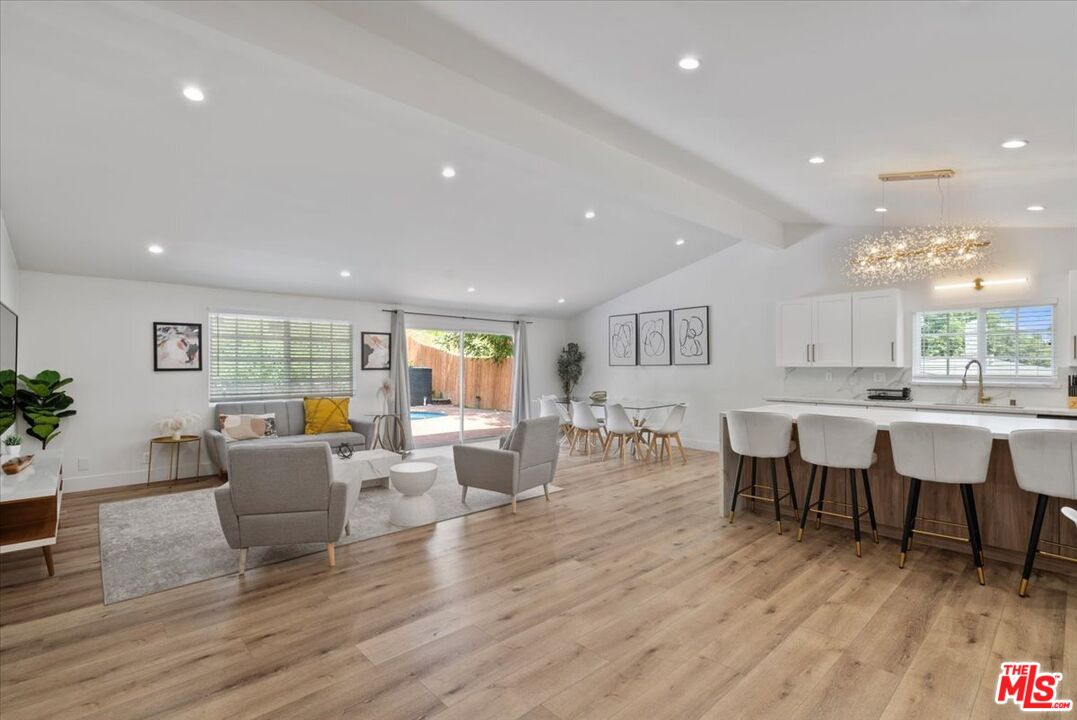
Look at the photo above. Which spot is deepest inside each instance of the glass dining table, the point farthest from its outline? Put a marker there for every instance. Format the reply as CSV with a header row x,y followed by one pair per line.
x,y
639,410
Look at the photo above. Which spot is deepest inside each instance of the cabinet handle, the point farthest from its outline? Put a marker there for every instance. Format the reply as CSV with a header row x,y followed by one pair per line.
x,y
891,351
813,352
1075,347
807,353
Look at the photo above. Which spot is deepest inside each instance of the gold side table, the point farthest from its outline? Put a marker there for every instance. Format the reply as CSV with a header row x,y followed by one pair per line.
x,y
174,445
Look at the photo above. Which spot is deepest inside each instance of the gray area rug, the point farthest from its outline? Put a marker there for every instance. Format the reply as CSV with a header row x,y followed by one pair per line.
x,y
156,543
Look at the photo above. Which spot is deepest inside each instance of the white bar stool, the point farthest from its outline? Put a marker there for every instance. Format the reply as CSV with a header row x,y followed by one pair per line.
x,y
829,441
952,454
762,436
1045,463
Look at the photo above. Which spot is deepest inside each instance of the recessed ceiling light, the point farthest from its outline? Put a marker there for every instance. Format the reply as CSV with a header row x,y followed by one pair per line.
x,y
471,289
817,160
688,62
880,209
345,273
194,93
560,300
590,214
680,241
156,249
1014,144
448,171
1036,208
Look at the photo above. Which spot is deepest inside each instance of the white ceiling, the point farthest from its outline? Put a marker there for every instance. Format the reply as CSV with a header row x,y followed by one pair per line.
x,y
871,86
320,144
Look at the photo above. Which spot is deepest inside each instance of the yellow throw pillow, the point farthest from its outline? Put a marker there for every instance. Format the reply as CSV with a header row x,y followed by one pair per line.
x,y
326,415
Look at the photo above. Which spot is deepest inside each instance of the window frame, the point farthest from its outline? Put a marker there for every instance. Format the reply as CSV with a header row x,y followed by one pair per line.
x,y
1051,381
210,339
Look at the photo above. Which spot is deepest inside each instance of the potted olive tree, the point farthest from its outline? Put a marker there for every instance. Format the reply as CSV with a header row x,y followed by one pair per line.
x,y
570,368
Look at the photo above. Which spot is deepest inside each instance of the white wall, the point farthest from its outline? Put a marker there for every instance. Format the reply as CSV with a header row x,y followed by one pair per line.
x,y
9,270
99,331
742,285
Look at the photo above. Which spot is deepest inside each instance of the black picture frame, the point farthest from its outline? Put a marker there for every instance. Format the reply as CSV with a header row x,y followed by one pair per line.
x,y
700,349
365,351
618,346
14,318
655,342
188,328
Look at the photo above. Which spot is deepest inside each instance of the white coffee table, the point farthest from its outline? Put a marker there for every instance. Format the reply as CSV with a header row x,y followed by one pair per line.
x,y
369,467
414,507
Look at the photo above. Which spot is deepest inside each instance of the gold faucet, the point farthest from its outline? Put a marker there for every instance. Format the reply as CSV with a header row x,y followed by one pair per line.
x,y
982,399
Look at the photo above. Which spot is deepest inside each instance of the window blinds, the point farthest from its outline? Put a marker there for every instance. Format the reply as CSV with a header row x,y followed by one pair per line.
x,y
255,357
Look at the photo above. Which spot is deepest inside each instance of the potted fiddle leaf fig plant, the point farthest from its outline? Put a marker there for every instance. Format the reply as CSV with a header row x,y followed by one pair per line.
x,y
44,404
7,399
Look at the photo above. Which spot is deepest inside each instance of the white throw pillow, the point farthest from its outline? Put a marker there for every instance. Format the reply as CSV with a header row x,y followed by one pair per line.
x,y
248,427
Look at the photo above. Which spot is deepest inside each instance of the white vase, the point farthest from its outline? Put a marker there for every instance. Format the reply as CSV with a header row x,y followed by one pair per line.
x,y
14,450
176,435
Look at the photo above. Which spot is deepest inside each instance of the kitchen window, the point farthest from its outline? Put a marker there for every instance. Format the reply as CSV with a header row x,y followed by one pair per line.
x,y
262,357
1015,344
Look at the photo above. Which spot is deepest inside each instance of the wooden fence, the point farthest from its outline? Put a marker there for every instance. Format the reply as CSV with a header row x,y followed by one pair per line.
x,y
488,385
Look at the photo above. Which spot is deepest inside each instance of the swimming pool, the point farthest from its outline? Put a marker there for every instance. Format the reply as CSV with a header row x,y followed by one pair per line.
x,y
425,414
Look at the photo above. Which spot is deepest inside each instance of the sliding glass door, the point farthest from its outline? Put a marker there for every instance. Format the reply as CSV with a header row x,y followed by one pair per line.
x,y
461,385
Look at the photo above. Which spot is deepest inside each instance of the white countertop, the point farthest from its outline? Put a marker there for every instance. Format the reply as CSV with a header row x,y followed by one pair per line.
x,y
39,480
1000,425
939,407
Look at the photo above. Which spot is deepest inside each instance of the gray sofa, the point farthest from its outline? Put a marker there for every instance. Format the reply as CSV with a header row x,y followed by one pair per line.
x,y
291,423
527,458
284,494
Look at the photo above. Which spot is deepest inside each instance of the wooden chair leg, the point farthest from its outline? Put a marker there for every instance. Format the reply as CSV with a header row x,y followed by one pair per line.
x,y
242,560
621,446
330,550
46,550
606,447
514,503
546,489
463,494
680,446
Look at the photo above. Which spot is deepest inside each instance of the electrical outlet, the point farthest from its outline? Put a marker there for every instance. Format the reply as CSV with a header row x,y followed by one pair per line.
x,y
84,464
830,377
879,377
145,458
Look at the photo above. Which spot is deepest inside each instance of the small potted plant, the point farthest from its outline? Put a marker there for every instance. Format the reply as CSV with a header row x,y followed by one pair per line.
x,y
13,443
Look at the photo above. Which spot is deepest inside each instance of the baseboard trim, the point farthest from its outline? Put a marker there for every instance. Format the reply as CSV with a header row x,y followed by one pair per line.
x,y
102,481
696,444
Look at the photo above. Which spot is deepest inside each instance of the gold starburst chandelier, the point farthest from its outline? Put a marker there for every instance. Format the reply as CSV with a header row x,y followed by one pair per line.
x,y
912,253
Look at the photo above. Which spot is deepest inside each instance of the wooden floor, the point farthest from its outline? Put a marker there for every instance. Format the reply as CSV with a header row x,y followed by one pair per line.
x,y
624,597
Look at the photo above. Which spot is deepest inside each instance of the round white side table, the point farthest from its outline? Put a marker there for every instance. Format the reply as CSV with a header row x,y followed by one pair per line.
x,y
414,507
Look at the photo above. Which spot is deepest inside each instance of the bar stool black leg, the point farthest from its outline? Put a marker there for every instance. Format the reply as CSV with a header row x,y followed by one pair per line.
x,y
754,492
976,521
736,489
910,519
807,503
974,540
774,487
855,510
792,488
822,495
1033,544
871,507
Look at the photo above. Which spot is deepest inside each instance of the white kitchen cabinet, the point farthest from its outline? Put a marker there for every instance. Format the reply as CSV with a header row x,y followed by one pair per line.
x,y
1071,345
878,329
815,331
832,337
794,333
864,329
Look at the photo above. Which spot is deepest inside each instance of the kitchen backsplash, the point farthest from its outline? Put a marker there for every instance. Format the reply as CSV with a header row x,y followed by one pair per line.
x,y
853,384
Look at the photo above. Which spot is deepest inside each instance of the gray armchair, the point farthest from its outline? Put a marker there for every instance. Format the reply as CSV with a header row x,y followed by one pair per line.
x,y
281,495
527,458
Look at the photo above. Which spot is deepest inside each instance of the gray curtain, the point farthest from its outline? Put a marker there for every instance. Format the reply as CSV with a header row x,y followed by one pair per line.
x,y
521,382
401,403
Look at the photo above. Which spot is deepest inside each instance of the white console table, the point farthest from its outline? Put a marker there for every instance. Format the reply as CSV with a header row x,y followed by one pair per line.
x,y
30,506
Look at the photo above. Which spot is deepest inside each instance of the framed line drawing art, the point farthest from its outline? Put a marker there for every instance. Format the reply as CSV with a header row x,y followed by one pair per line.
x,y
622,340
654,338
691,336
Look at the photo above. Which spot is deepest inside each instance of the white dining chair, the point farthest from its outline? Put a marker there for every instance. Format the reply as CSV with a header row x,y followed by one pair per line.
x,y
621,427
549,407
660,435
585,426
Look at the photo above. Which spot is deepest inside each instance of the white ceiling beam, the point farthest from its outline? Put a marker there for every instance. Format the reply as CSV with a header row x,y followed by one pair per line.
x,y
311,35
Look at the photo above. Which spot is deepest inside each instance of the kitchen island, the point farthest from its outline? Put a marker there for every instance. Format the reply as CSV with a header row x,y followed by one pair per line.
x,y
1005,510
